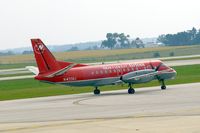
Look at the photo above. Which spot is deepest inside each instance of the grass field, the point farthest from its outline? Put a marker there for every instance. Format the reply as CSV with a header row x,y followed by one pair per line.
x,y
103,55
20,61
29,88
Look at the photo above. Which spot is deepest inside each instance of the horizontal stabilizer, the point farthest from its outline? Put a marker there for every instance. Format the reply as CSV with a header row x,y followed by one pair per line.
x,y
33,69
61,71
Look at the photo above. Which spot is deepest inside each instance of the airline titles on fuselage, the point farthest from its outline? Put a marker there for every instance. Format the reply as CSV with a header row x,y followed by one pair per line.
x,y
136,66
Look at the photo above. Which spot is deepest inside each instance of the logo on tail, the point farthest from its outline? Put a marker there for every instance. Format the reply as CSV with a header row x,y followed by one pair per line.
x,y
39,48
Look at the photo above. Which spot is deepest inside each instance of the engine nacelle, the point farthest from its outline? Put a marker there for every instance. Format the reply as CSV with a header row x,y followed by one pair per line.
x,y
141,76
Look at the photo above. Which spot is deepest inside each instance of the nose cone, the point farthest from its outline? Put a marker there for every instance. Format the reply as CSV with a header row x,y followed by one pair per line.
x,y
174,73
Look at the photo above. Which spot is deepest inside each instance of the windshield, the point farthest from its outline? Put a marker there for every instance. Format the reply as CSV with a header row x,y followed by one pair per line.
x,y
162,66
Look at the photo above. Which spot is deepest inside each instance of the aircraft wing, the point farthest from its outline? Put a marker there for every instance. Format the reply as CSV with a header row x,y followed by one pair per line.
x,y
118,82
143,76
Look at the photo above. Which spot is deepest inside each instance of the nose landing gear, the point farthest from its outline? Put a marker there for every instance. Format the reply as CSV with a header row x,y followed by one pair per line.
x,y
131,90
163,86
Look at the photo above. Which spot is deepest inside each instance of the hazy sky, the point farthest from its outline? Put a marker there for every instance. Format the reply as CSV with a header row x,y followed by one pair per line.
x,y
71,21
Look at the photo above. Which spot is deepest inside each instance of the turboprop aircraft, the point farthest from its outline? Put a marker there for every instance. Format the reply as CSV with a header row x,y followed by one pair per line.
x,y
51,70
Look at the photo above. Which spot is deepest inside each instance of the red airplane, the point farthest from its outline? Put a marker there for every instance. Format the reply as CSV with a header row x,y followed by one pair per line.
x,y
67,73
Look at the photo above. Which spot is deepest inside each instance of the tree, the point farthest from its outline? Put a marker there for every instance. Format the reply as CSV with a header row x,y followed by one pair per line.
x,y
6,53
189,37
139,43
115,40
110,42
27,52
124,41
197,38
74,48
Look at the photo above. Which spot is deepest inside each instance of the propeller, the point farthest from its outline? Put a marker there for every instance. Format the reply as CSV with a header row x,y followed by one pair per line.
x,y
156,69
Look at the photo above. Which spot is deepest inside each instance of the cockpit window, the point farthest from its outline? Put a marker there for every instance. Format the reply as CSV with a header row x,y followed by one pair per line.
x,y
162,66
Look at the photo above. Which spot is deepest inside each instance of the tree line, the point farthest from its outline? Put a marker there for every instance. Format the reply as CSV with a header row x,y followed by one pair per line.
x,y
120,40
189,37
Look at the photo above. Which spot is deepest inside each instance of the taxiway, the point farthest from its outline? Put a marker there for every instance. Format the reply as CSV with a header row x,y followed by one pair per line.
x,y
148,110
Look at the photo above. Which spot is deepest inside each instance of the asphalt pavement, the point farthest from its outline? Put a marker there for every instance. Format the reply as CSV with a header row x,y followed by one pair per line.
x,y
148,110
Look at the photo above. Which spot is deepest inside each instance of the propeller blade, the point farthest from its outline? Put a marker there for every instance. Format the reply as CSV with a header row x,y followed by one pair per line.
x,y
156,69
158,66
152,66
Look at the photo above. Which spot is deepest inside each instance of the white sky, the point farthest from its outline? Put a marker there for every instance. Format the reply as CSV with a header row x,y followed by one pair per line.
x,y
71,21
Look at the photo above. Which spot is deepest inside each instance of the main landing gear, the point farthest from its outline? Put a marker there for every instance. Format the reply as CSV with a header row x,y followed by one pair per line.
x,y
96,91
163,86
131,90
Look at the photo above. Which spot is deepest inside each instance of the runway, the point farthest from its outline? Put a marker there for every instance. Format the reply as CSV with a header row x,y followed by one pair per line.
x,y
148,110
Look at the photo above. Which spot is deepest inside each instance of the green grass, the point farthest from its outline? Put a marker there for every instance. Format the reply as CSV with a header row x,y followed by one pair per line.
x,y
29,88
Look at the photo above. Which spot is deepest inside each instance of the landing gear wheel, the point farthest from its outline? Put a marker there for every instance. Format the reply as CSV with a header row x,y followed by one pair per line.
x,y
96,91
131,91
163,87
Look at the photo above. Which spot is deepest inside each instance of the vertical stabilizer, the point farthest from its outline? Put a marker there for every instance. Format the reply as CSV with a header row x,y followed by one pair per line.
x,y
45,60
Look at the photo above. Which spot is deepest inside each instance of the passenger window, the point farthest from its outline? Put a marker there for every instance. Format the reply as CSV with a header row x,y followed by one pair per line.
x,y
106,71
101,72
97,72
110,71
114,71
92,73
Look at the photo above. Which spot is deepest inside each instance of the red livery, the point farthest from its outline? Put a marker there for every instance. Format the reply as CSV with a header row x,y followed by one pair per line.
x,y
68,73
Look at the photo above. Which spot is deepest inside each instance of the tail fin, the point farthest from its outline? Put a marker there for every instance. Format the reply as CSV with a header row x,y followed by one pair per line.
x,y
45,60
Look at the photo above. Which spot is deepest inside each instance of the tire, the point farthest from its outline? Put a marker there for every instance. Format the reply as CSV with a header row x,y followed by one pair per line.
x,y
96,91
163,87
131,91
